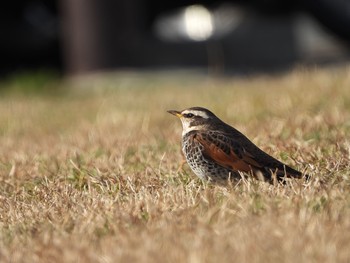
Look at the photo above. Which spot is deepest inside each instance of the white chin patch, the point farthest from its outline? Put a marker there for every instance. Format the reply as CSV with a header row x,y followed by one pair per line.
x,y
186,128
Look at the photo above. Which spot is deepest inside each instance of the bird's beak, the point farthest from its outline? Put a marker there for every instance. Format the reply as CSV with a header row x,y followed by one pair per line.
x,y
175,112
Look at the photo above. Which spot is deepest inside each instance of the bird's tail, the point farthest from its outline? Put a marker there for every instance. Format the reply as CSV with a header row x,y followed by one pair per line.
x,y
283,172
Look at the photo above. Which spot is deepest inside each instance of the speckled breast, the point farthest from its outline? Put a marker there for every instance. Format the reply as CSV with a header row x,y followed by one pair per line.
x,y
203,167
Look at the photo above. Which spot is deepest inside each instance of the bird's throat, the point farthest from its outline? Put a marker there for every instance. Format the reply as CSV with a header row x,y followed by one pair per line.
x,y
189,129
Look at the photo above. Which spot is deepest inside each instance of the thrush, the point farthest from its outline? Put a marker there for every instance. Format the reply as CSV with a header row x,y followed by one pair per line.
x,y
216,151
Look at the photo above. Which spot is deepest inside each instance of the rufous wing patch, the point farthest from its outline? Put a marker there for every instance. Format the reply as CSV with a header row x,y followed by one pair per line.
x,y
231,160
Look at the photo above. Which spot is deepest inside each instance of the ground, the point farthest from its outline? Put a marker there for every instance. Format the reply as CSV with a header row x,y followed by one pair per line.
x,y
89,169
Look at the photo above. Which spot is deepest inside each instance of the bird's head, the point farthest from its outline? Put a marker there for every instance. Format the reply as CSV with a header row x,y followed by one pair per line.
x,y
195,118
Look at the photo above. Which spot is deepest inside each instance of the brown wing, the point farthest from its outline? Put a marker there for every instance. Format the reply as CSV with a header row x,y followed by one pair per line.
x,y
233,157
240,154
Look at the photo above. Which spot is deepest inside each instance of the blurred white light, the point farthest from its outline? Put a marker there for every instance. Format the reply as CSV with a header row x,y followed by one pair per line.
x,y
198,22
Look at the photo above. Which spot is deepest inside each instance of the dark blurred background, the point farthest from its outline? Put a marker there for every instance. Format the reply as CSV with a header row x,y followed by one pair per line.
x,y
237,36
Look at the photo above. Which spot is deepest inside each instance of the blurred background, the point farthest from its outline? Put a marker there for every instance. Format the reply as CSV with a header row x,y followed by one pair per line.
x,y
220,37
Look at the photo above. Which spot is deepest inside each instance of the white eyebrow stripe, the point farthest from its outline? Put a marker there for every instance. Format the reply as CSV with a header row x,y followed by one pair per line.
x,y
197,113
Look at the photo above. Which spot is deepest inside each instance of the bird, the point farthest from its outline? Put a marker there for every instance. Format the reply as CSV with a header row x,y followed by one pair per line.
x,y
217,152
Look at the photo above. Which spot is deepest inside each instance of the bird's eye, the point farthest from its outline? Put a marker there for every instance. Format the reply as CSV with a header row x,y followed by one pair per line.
x,y
189,115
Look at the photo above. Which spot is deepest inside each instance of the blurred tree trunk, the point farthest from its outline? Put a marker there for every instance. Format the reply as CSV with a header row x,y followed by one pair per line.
x,y
100,34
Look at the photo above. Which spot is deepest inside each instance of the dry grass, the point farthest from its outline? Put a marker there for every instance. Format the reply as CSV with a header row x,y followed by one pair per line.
x,y
91,175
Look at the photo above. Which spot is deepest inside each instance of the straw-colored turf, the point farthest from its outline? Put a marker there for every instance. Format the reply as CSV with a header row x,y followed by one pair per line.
x,y
91,174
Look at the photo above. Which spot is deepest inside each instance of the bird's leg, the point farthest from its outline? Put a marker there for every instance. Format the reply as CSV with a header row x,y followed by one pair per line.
x,y
181,166
183,161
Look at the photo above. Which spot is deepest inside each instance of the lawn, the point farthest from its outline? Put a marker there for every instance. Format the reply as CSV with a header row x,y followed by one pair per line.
x,y
90,169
